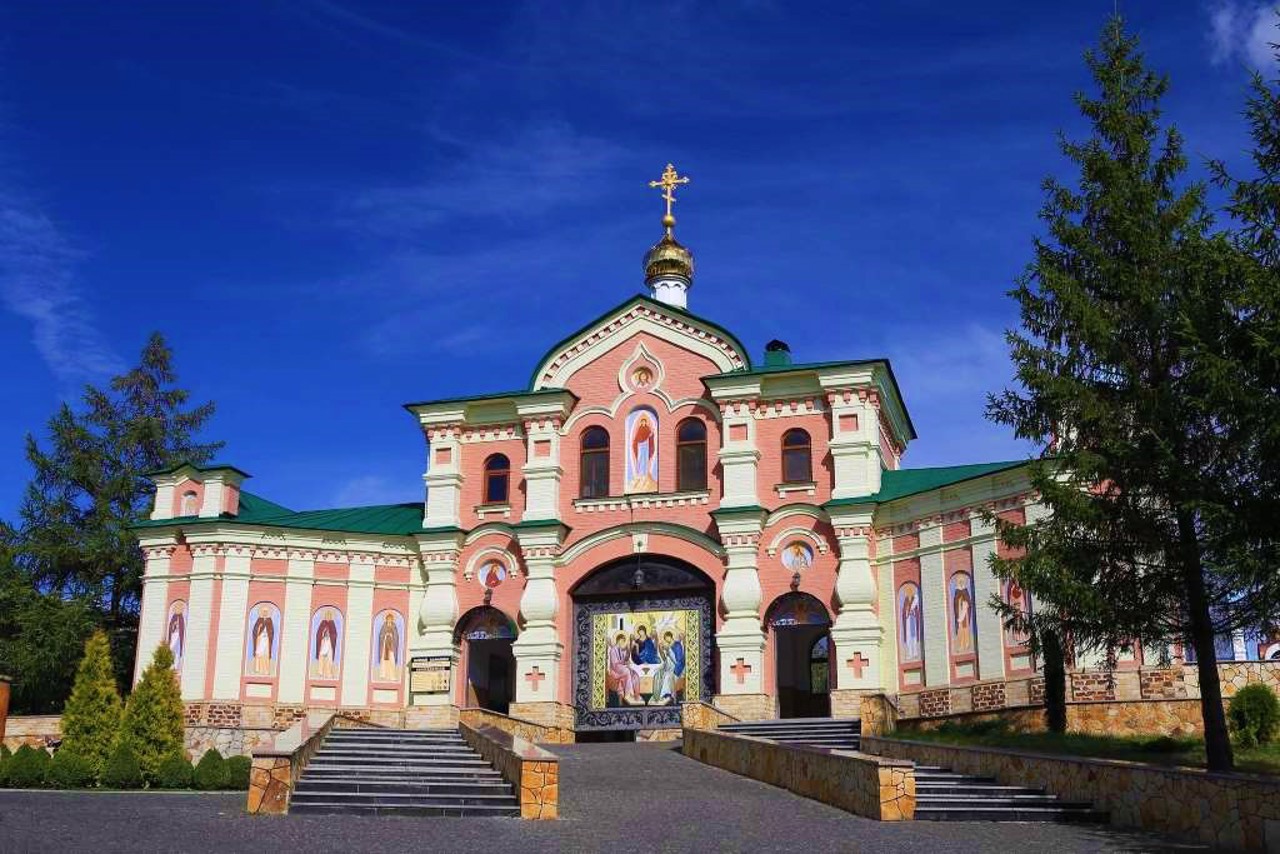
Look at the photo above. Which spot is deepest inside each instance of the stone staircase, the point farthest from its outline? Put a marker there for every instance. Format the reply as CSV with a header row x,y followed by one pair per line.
x,y
401,772
944,795
835,733
941,794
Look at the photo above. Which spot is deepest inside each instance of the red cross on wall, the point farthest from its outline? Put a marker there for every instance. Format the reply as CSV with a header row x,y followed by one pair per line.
x,y
856,664
534,677
740,670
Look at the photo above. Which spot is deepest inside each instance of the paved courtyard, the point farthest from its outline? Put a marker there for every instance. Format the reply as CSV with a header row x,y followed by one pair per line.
x,y
617,797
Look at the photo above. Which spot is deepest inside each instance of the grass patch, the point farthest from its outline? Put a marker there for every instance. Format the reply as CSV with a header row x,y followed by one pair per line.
x,y
1157,750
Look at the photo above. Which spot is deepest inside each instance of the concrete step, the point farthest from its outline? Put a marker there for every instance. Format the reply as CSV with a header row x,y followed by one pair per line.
x,y
445,810
394,752
378,772
962,788
406,798
1030,813
444,786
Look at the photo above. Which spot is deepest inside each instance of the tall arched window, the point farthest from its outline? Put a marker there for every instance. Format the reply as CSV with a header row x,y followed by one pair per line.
x,y
497,479
796,463
595,463
691,455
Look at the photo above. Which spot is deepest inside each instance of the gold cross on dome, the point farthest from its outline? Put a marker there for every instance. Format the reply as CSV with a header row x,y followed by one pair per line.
x,y
668,182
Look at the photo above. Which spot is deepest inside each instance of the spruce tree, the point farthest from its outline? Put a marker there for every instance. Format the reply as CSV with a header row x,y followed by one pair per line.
x,y
1128,371
89,485
153,721
91,720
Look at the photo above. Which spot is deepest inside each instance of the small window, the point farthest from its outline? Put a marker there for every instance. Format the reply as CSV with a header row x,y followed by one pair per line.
x,y
189,506
796,463
595,463
497,479
691,455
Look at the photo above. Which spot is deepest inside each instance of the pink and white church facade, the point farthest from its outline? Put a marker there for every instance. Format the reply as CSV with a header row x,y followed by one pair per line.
x,y
658,517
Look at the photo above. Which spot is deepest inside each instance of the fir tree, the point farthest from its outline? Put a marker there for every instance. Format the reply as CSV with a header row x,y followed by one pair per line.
x,y
90,484
1129,370
91,720
153,724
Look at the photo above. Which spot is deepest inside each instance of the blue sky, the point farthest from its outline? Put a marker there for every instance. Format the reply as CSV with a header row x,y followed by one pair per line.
x,y
333,208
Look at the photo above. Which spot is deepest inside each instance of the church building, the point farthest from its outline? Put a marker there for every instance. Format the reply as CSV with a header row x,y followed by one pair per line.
x,y
659,516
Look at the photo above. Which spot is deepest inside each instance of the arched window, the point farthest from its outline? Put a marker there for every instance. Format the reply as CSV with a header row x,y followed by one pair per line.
x,y
189,506
497,479
691,455
595,463
796,465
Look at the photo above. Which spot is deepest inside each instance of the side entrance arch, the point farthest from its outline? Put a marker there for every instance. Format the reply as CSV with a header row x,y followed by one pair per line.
x,y
486,635
801,627
642,643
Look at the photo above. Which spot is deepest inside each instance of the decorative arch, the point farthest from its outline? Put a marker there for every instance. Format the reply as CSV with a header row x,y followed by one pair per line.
x,y
488,554
485,622
795,608
640,532
501,528
793,533
812,511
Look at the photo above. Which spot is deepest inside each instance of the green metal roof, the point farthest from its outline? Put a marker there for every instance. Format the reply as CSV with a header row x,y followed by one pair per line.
x,y
899,483
389,519
640,298
200,468
497,395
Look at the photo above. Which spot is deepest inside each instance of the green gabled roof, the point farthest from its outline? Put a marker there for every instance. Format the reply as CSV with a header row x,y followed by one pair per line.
x,y
200,468
256,506
899,483
497,395
389,519
623,306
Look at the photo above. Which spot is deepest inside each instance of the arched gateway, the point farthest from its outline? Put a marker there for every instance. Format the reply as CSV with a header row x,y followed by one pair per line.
x,y
801,628
642,643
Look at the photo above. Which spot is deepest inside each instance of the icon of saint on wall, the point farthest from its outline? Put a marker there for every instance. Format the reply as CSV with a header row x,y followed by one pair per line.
x,y
492,574
797,555
264,619
962,616
177,633
909,615
324,644
642,451
387,647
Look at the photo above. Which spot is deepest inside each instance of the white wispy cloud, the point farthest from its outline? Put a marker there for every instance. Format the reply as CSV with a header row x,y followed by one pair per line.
x,y
1244,31
38,283
365,490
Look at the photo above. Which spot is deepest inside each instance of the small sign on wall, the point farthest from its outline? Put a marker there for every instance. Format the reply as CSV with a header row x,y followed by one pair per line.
x,y
430,674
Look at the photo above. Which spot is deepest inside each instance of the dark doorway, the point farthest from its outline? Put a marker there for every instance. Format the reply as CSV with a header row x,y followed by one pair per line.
x,y
802,651
487,634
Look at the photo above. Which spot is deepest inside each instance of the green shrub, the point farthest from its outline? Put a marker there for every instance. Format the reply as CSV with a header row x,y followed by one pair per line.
x,y
69,770
1164,744
27,767
152,722
5,756
211,771
238,768
1254,715
175,772
91,719
122,771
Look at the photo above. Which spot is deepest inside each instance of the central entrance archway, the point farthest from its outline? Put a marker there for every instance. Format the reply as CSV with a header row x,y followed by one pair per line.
x,y
801,629
486,635
642,642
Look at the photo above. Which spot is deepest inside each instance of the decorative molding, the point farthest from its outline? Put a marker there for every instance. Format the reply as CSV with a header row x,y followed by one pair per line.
x,y
484,555
787,511
819,543
667,529
491,433
643,501
788,408
785,489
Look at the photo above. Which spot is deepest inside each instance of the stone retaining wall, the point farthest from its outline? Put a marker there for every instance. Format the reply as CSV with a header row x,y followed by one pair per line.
x,y
869,786
278,765
32,730
528,730
548,714
534,772
747,707
1239,811
699,715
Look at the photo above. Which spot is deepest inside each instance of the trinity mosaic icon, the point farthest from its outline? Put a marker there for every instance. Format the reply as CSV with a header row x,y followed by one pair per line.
x,y
645,658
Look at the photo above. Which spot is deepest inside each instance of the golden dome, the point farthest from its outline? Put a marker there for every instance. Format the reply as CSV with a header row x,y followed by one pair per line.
x,y
668,258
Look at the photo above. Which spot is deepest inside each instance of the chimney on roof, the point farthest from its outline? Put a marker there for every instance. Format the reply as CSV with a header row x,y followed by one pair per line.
x,y
776,353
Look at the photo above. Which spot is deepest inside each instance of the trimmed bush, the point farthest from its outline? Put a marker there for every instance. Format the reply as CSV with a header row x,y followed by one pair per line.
x,y
152,722
91,719
5,756
1254,715
211,771
69,770
175,772
27,767
122,771
238,768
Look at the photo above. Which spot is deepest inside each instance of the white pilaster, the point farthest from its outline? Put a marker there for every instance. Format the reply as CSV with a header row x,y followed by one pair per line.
x,y
857,633
539,644
355,673
739,457
933,595
437,613
163,508
200,607
985,587
211,504
296,620
542,469
232,616
154,610
854,445
443,480
888,629
741,639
